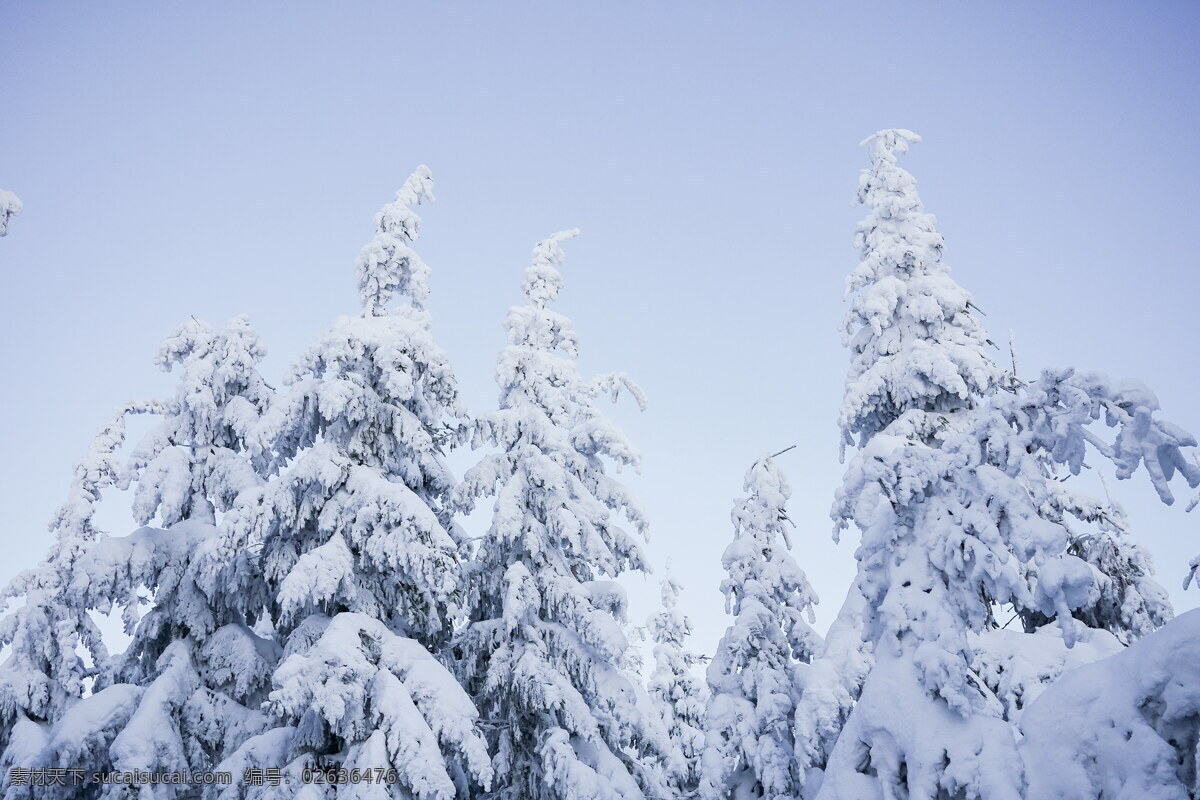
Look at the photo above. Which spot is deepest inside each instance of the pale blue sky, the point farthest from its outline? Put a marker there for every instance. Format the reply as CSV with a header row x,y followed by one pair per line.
x,y
215,158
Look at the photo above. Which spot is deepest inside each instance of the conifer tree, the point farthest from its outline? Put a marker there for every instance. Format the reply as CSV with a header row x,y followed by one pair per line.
x,y
189,684
44,674
357,569
679,696
953,488
755,676
541,649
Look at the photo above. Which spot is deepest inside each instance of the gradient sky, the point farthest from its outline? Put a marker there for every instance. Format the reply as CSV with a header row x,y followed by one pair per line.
x,y
215,158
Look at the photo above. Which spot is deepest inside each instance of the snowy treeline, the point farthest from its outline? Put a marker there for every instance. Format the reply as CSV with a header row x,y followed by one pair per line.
x,y
308,613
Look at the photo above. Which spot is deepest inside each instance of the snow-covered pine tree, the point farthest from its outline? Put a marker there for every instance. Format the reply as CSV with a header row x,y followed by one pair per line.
x,y
543,642
755,677
905,305
51,637
58,660
918,356
954,491
678,695
912,317
10,206
357,565
189,685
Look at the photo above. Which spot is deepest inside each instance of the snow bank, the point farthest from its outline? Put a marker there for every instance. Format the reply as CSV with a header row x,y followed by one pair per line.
x,y
1123,727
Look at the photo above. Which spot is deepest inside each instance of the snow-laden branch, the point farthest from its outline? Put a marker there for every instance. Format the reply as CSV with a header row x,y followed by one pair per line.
x,y
10,206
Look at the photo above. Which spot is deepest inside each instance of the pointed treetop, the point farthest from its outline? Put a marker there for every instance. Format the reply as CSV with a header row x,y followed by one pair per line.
x,y
915,345
761,517
886,144
542,281
768,492
398,216
670,587
388,264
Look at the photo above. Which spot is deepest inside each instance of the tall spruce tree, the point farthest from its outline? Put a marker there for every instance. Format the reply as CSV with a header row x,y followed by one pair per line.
x,y
543,642
357,569
678,694
755,676
953,489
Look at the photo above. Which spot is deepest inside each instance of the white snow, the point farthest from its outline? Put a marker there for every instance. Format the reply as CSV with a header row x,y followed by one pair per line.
x,y
10,206
299,593
1124,726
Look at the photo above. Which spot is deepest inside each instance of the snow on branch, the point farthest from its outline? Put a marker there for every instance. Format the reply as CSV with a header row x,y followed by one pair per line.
x,y
10,206
388,264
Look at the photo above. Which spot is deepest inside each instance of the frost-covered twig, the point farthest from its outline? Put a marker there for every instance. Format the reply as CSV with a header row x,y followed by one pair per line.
x,y
10,206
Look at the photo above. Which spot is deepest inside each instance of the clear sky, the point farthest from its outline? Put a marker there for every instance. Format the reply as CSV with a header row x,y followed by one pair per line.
x,y
215,158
